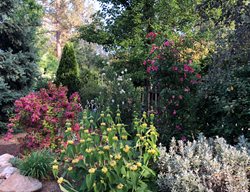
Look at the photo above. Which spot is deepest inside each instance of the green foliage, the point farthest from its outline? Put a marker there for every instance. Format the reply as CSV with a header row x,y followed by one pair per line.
x,y
68,70
37,164
18,70
203,165
101,158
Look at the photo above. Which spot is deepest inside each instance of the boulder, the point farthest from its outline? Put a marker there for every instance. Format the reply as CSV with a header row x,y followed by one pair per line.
x,y
20,183
4,159
7,172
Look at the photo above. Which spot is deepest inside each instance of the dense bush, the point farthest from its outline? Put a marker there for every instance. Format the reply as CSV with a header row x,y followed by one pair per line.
x,y
37,164
203,165
43,116
174,75
101,158
68,70
17,52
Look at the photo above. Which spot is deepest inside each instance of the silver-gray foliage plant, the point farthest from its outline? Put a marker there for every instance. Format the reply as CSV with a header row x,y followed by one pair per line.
x,y
204,165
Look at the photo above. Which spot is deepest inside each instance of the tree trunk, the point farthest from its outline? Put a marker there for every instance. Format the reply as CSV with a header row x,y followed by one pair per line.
x,y
58,44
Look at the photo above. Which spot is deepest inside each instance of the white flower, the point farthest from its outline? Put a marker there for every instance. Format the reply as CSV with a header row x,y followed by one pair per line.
x,y
112,100
125,70
123,102
119,78
122,72
122,91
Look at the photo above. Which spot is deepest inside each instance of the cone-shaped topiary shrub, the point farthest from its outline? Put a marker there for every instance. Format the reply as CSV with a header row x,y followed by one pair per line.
x,y
68,70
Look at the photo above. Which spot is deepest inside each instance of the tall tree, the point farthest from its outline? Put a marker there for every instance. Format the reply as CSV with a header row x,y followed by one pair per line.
x,y
62,17
19,20
68,70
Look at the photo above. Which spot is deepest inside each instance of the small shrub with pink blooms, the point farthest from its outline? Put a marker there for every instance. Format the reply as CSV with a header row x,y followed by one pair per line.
x,y
175,76
43,116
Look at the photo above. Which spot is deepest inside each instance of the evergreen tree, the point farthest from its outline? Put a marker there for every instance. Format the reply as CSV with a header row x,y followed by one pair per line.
x,y
68,71
19,19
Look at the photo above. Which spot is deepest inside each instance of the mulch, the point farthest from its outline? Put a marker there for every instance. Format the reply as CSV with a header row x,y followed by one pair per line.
x,y
13,147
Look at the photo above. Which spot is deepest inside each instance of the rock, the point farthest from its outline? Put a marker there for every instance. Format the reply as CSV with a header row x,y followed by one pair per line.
x,y
7,172
20,183
4,159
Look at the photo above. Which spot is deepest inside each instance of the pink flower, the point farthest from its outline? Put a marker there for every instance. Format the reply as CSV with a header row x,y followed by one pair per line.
x,y
180,97
144,62
187,68
183,138
151,35
198,76
174,112
175,68
154,47
76,127
166,43
178,127
187,89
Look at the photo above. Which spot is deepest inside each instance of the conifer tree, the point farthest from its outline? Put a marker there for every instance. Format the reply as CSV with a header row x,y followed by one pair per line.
x,y
68,70
18,69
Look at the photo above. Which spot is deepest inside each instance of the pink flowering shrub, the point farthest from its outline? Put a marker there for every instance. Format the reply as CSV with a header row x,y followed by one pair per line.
x,y
43,116
175,76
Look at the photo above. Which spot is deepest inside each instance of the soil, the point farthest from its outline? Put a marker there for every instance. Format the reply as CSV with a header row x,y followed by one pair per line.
x,y
13,147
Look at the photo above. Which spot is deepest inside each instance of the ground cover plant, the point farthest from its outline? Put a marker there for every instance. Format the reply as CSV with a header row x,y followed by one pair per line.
x,y
101,158
203,165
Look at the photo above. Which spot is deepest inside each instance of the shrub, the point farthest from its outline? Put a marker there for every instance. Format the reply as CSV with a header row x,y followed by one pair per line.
x,y
203,165
37,164
43,116
101,158
68,70
174,75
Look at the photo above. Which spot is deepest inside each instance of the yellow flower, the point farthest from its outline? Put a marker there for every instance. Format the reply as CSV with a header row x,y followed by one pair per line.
x,y
133,168
62,151
118,114
144,125
138,164
86,131
142,138
115,138
104,170
152,151
82,141
92,170
112,163
100,152
89,139
152,127
89,150
69,129
119,125
102,115
91,121
128,165
138,135
70,142
74,161
106,147
60,180
103,124
152,115
119,186
109,129
118,156
125,137
70,168
55,167
136,122
55,161
105,137
126,149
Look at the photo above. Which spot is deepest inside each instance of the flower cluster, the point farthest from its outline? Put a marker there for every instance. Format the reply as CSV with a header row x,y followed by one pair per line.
x,y
43,115
103,159
174,74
